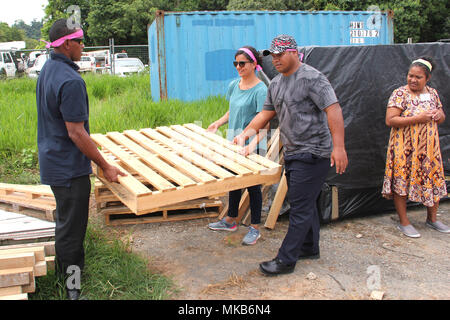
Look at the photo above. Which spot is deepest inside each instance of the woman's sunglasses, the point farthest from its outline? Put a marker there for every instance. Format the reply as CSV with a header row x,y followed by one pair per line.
x,y
240,63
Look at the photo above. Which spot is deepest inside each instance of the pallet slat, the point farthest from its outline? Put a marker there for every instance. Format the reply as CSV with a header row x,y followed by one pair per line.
x,y
213,146
189,155
171,157
205,152
152,160
151,176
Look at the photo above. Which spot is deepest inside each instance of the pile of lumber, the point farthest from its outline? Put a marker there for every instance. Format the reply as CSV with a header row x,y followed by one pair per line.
x,y
20,264
18,228
174,169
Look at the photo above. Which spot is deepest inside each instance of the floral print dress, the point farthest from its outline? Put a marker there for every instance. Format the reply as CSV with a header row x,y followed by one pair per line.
x,y
414,162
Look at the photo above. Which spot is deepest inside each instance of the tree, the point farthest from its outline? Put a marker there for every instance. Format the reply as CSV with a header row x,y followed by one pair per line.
x,y
199,5
8,33
57,9
32,31
126,20
256,5
109,19
437,24
408,21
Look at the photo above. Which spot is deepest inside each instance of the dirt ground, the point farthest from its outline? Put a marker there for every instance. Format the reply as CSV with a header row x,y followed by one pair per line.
x,y
358,255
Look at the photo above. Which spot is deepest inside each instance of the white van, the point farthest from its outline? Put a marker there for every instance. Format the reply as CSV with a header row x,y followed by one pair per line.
x,y
7,66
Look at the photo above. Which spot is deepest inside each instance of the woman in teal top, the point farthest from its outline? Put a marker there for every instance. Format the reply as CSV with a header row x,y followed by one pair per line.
x,y
246,96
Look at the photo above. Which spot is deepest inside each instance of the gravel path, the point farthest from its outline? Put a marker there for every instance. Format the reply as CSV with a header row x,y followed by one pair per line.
x,y
358,256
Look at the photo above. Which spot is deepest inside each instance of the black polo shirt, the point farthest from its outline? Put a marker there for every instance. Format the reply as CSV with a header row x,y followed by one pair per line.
x,y
60,96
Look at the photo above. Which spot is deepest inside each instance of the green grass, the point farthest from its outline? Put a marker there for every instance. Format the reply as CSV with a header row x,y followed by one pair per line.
x,y
111,273
116,104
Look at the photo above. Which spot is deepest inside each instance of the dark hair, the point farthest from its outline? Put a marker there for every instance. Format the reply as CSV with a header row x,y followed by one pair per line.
x,y
253,50
59,29
423,66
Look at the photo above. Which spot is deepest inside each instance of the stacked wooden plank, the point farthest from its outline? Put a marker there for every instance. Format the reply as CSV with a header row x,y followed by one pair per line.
x,y
169,166
20,264
18,228
33,200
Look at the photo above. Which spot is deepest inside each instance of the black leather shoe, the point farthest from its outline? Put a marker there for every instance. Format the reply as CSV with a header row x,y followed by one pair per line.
x,y
73,294
276,267
309,256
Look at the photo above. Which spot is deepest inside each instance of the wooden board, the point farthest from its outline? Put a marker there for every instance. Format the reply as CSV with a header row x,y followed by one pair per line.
x,y
20,264
169,165
16,227
20,296
276,204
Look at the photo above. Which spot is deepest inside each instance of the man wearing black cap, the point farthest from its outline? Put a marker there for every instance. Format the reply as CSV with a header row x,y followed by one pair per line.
x,y
312,133
66,149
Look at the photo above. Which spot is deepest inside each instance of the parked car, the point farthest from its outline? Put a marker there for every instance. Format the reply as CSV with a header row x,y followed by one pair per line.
x,y
86,64
33,72
7,65
128,66
32,57
120,55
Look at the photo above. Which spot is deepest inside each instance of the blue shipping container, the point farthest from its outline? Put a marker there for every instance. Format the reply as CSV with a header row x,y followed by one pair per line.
x,y
191,53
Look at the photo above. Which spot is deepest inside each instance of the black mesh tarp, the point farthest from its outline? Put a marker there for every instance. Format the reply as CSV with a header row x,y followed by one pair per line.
x,y
363,78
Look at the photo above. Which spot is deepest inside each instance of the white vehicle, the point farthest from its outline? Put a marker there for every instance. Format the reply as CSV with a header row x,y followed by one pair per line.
x,y
128,66
33,56
120,55
34,71
86,64
7,65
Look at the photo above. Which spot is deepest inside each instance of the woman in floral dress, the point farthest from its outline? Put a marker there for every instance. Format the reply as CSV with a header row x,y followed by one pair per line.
x,y
414,169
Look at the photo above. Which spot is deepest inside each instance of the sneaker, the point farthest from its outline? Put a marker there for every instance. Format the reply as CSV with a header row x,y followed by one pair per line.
x,y
439,226
251,237
409,231
222,225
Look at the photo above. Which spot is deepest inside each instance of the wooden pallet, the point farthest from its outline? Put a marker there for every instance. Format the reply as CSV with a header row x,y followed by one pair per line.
x,y
20,264
178,164
116,213
32,200
195,209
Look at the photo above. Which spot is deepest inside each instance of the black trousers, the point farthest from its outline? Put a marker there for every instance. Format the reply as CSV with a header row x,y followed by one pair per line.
x,y
255,196
72,211
305,174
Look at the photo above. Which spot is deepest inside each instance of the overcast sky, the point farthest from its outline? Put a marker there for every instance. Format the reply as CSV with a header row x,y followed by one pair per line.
x,y
26,10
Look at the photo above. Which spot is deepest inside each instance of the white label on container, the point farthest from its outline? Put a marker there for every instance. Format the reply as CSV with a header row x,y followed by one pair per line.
x,y
357,40
364,33
356,25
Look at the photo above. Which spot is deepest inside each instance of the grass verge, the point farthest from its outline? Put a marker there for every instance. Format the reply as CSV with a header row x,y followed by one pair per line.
x,y
111,272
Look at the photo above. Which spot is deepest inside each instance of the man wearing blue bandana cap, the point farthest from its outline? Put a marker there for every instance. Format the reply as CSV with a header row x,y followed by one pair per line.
x,y
312,133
